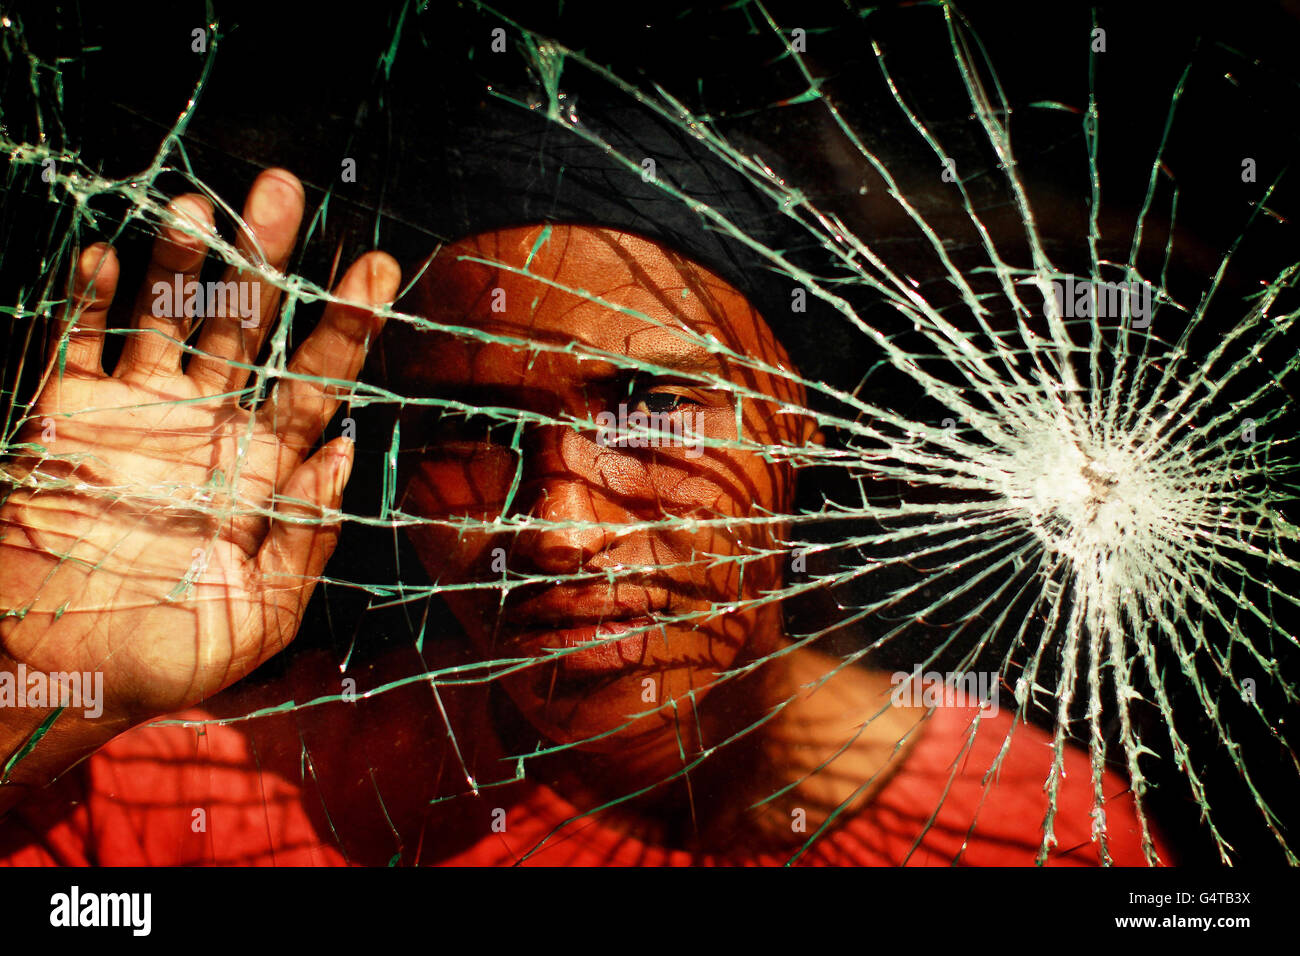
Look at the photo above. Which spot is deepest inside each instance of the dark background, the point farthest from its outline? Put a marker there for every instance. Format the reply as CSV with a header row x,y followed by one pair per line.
x,y
404,93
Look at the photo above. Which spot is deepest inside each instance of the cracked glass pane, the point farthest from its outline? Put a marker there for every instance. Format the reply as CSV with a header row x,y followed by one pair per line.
x,y
779,433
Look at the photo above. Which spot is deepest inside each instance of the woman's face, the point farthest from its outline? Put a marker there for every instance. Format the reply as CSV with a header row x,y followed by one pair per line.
x,y
659,604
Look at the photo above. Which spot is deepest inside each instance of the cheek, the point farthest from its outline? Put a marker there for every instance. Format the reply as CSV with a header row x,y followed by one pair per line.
x,y
454,495
721,557
473,482
734,480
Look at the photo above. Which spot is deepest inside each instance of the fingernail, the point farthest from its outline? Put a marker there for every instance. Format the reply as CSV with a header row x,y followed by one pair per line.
x,y
189,208
91,259
261,205
342,468
265,205
383,278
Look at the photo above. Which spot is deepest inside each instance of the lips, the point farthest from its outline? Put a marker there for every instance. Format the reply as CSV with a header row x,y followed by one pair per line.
x,y
547,626
603,651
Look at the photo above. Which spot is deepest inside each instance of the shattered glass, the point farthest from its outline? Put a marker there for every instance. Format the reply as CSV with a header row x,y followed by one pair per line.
x,y
1038,296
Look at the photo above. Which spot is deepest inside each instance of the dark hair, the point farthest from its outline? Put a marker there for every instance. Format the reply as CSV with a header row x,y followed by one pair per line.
x,y
508,166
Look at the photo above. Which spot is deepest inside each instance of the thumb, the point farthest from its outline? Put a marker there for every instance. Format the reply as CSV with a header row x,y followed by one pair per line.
x,y
303,534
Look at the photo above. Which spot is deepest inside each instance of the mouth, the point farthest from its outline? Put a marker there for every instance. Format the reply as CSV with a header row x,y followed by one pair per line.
x,y
599,647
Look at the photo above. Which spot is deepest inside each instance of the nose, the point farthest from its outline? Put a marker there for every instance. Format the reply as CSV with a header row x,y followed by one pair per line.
x,y
561,491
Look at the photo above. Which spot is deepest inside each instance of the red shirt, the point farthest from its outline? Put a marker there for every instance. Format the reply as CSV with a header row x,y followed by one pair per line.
x,y
137,803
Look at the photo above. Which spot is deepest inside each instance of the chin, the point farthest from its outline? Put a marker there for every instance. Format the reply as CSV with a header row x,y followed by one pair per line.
x,y
598,723
604,712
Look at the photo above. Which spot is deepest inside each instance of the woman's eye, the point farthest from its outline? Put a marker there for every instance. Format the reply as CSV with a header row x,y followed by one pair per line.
x,y
660,403
441,428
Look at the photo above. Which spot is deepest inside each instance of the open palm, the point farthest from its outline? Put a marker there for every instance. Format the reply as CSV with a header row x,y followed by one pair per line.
x,y
169,537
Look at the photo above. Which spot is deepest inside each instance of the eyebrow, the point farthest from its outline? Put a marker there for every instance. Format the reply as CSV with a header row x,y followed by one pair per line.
x,y
501,395
481,396
692,362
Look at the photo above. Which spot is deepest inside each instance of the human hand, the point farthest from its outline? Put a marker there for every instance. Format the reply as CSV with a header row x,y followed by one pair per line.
x,y
172,537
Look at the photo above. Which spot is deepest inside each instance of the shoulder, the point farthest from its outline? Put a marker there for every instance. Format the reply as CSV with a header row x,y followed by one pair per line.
x,y
978,788
839,736
910,783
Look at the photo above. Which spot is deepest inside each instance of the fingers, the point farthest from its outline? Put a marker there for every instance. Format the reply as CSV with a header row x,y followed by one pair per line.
x,y
298,410
160,322
295,552
94,281
231,337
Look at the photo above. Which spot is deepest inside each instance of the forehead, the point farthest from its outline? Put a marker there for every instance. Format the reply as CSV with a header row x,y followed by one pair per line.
x,y
578,292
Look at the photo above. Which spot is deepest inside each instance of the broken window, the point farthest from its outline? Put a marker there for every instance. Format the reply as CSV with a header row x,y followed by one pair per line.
x,y
1033,284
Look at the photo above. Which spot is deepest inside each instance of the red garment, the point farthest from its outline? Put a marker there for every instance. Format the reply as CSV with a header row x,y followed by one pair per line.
x,y
136,803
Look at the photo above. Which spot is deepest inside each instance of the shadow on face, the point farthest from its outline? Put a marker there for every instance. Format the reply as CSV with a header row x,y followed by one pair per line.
x,y
595,472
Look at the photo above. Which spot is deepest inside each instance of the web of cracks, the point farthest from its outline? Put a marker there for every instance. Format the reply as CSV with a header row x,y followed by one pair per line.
x,y
1111,491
